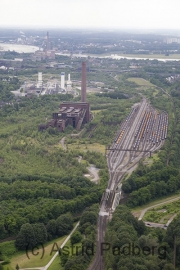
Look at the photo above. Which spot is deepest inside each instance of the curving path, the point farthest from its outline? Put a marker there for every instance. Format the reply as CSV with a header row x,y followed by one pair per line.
x,y
62,142
158,204
94,172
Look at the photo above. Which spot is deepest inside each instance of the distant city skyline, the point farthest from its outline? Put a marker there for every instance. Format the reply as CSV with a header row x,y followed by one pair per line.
x,y
96,14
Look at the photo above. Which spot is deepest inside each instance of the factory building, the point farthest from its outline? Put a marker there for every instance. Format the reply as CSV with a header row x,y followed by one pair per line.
x,y
44,88
71,113
47,53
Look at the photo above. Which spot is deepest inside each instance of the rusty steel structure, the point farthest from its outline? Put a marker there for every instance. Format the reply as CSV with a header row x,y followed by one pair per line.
x,y
71,113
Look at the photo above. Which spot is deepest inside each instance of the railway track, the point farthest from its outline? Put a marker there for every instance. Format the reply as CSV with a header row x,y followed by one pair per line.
x,y
143,130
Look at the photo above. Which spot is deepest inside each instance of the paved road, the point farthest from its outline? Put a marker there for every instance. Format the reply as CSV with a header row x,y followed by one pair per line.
x,y
156,205
155,225
55,255
159,225
171,219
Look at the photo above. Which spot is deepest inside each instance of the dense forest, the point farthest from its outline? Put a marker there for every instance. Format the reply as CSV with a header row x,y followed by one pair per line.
x,y
134,246
43,190
42,186
86,239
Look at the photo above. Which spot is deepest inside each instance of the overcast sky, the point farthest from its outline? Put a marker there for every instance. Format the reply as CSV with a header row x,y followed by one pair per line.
x,y
116,14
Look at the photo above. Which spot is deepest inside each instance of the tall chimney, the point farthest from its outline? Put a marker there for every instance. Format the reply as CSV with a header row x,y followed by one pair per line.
x,y
47,42
62,79
83,83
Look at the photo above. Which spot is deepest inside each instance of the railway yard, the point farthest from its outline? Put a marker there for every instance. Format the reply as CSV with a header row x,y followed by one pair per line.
x,y
143,131
151,130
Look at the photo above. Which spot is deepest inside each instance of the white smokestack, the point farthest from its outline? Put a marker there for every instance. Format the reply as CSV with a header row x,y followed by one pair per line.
x,y
62,80
69,84
40,82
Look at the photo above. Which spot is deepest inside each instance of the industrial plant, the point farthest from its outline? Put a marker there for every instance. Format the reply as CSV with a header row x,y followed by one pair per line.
x,y
47,53
71,113
39,87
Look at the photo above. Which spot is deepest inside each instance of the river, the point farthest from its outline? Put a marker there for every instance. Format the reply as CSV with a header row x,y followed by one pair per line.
x,y
118,57
18,48
31,49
